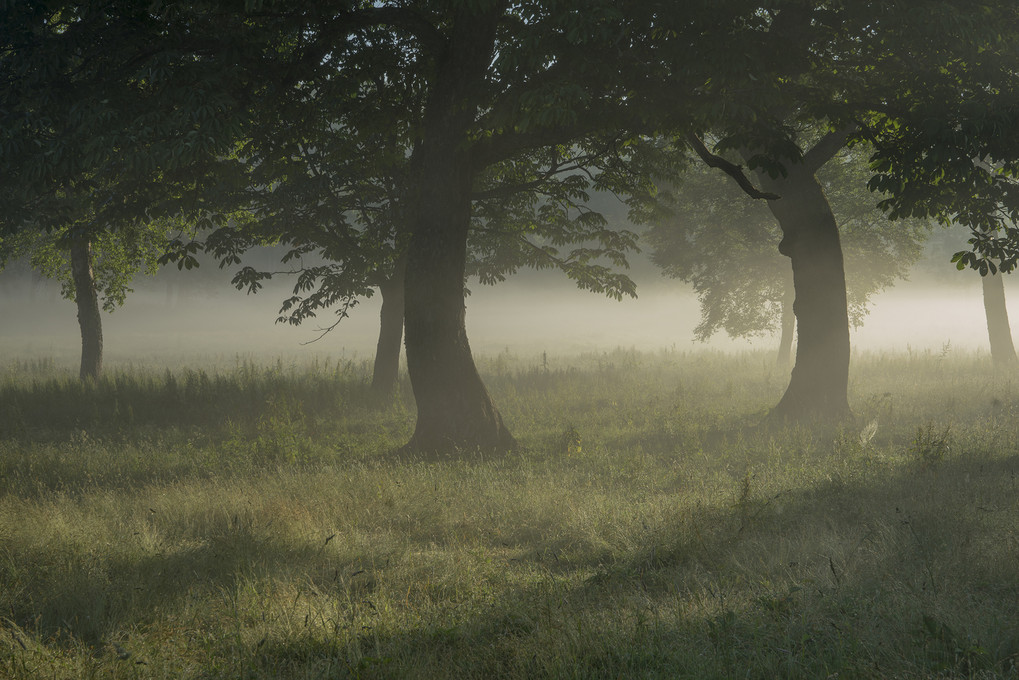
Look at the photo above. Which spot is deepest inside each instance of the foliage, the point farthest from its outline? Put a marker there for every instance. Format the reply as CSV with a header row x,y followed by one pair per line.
x,y
113,105
530,208
119,111
328,155
932,89
944,138
334,165
115,117
117,257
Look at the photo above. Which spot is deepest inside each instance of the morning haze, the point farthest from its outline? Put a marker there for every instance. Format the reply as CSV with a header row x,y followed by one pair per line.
x,y
478,339
170,315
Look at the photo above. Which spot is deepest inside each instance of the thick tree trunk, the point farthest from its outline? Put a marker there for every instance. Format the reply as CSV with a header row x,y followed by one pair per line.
x,y
387,355
998,330
87,300
455,410
818,387
785,343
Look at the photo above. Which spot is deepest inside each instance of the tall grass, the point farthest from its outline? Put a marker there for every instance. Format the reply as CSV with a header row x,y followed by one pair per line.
x,y
254,521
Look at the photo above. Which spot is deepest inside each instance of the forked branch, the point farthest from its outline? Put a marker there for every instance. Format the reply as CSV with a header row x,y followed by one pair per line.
x,y
734,171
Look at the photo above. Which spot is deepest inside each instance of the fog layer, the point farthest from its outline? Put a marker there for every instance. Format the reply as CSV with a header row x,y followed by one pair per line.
x,y
169,320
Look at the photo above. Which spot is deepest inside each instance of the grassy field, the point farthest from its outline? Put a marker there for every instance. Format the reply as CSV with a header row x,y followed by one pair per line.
x,y
252,521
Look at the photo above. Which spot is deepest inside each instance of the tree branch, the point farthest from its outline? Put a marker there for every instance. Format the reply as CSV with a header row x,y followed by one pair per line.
x,y
734,171
827,147
505,145
507,190
342,314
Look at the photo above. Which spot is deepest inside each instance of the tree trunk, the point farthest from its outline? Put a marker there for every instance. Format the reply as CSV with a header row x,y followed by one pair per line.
x,y
785,343
455,410
818,387
998,330
387,355
87,300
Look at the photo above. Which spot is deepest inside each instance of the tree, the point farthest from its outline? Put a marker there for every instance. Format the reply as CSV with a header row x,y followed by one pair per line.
x,y
113,117
998,330
488,83
818,386
714,237
956,158
947,142
527,214
114,111
506,80
495,83
89,264
851,69
333,191
939,250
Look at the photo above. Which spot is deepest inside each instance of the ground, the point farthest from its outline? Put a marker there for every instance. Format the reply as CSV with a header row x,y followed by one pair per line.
x,y
250,519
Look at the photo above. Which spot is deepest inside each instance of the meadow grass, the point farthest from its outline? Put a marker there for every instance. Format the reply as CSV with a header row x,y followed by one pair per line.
x,y
254,521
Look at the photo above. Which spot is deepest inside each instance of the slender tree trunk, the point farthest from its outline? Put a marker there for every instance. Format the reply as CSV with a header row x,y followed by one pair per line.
x,y
455,410
87,300
387,355
818,387
998,329
785,343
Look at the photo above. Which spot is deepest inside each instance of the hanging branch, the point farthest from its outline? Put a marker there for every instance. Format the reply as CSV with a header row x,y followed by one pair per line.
x,y
734,171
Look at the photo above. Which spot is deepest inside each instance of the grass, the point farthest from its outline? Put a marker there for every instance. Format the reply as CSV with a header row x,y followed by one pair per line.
x,y
251,521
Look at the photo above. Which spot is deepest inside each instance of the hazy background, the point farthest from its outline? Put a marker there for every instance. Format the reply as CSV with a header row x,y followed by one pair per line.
x,y
176,317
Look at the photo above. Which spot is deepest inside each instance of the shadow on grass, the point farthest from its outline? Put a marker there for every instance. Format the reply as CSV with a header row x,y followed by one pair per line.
x,y
913,574
127,403
908,571
130,430
85,594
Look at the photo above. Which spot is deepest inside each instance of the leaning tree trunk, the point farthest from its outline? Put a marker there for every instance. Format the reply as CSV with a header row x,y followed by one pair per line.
x,y
998,330
387,355
87,300
785,343
455,410
818,387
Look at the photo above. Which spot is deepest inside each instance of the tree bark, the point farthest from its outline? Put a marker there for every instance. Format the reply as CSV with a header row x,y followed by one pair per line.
x,y
818,387
387,354
87,300
455,410
998,330
785,343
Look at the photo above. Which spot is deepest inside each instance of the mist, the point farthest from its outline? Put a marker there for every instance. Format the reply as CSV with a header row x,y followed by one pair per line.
x,y
170,318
